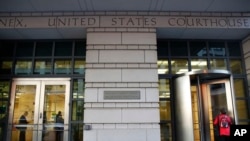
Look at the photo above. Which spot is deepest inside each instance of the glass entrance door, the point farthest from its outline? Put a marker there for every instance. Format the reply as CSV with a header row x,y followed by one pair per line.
x,y
207,100
39,110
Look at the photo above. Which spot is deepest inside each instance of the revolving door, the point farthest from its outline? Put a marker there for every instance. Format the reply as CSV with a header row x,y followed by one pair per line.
x,y
199,96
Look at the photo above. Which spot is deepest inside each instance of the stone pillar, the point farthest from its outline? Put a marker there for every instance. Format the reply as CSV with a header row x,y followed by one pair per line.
x,y
246,52
121,95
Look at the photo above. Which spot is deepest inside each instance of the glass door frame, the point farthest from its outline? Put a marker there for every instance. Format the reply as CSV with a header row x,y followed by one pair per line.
x,y
39,104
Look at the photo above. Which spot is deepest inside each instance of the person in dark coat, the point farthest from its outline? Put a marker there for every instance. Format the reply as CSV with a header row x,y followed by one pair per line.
x,y
59,126
3,126
23,123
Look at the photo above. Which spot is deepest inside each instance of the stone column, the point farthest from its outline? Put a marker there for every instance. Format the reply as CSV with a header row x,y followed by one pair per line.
x,y
121,95
246,52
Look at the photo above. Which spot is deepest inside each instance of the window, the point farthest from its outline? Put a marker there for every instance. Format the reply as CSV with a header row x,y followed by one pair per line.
x,y
43,67
23,67
24,49
234,49
178,48
198,48
217,49
179,66
44,48
63,48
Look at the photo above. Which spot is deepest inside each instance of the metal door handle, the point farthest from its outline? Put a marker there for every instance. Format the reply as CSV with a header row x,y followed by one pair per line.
x,y
41,115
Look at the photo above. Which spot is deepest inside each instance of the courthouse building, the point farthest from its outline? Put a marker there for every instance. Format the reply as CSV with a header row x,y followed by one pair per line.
x,y
121,70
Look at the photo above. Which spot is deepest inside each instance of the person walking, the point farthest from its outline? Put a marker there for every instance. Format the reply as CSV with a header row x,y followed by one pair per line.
x,y
223,122
23,123
59,126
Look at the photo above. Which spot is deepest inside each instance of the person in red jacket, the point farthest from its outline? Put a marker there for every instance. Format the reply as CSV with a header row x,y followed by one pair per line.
x,y
223,122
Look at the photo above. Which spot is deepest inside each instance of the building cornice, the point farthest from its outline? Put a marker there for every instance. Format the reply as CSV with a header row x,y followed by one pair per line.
x,y
138,13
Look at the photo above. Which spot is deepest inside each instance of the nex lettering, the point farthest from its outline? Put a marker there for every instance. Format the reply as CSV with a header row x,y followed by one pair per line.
x,y
11,22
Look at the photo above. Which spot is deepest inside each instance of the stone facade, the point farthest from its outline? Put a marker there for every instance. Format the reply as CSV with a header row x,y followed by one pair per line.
x,y
122,61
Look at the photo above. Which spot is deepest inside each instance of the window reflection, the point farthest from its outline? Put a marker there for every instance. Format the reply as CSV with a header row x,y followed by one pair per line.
x,y
217,49
165,112
6,67
76,132
179,66
235,66
242,108
77,110
239,88
24,101
198,64
162,66
42,67
23,67
62,67
166,132
218,64
198,49
78,88
79,67
4,89
164,88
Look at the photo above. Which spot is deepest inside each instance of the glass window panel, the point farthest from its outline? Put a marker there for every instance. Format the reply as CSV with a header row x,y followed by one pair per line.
x,y
218,64
162,48
3,119
4,90
79,67
43,67
165,110
235,66
44,48
76,132
178,48
198,64
162,66
179,66
166,132
24,49
23,67
234,48
7,48
62,67
242,109
239,88
63,49
80,49
245,122
78,88
6,67
217,49
198,49
24,105
164,88
77,110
